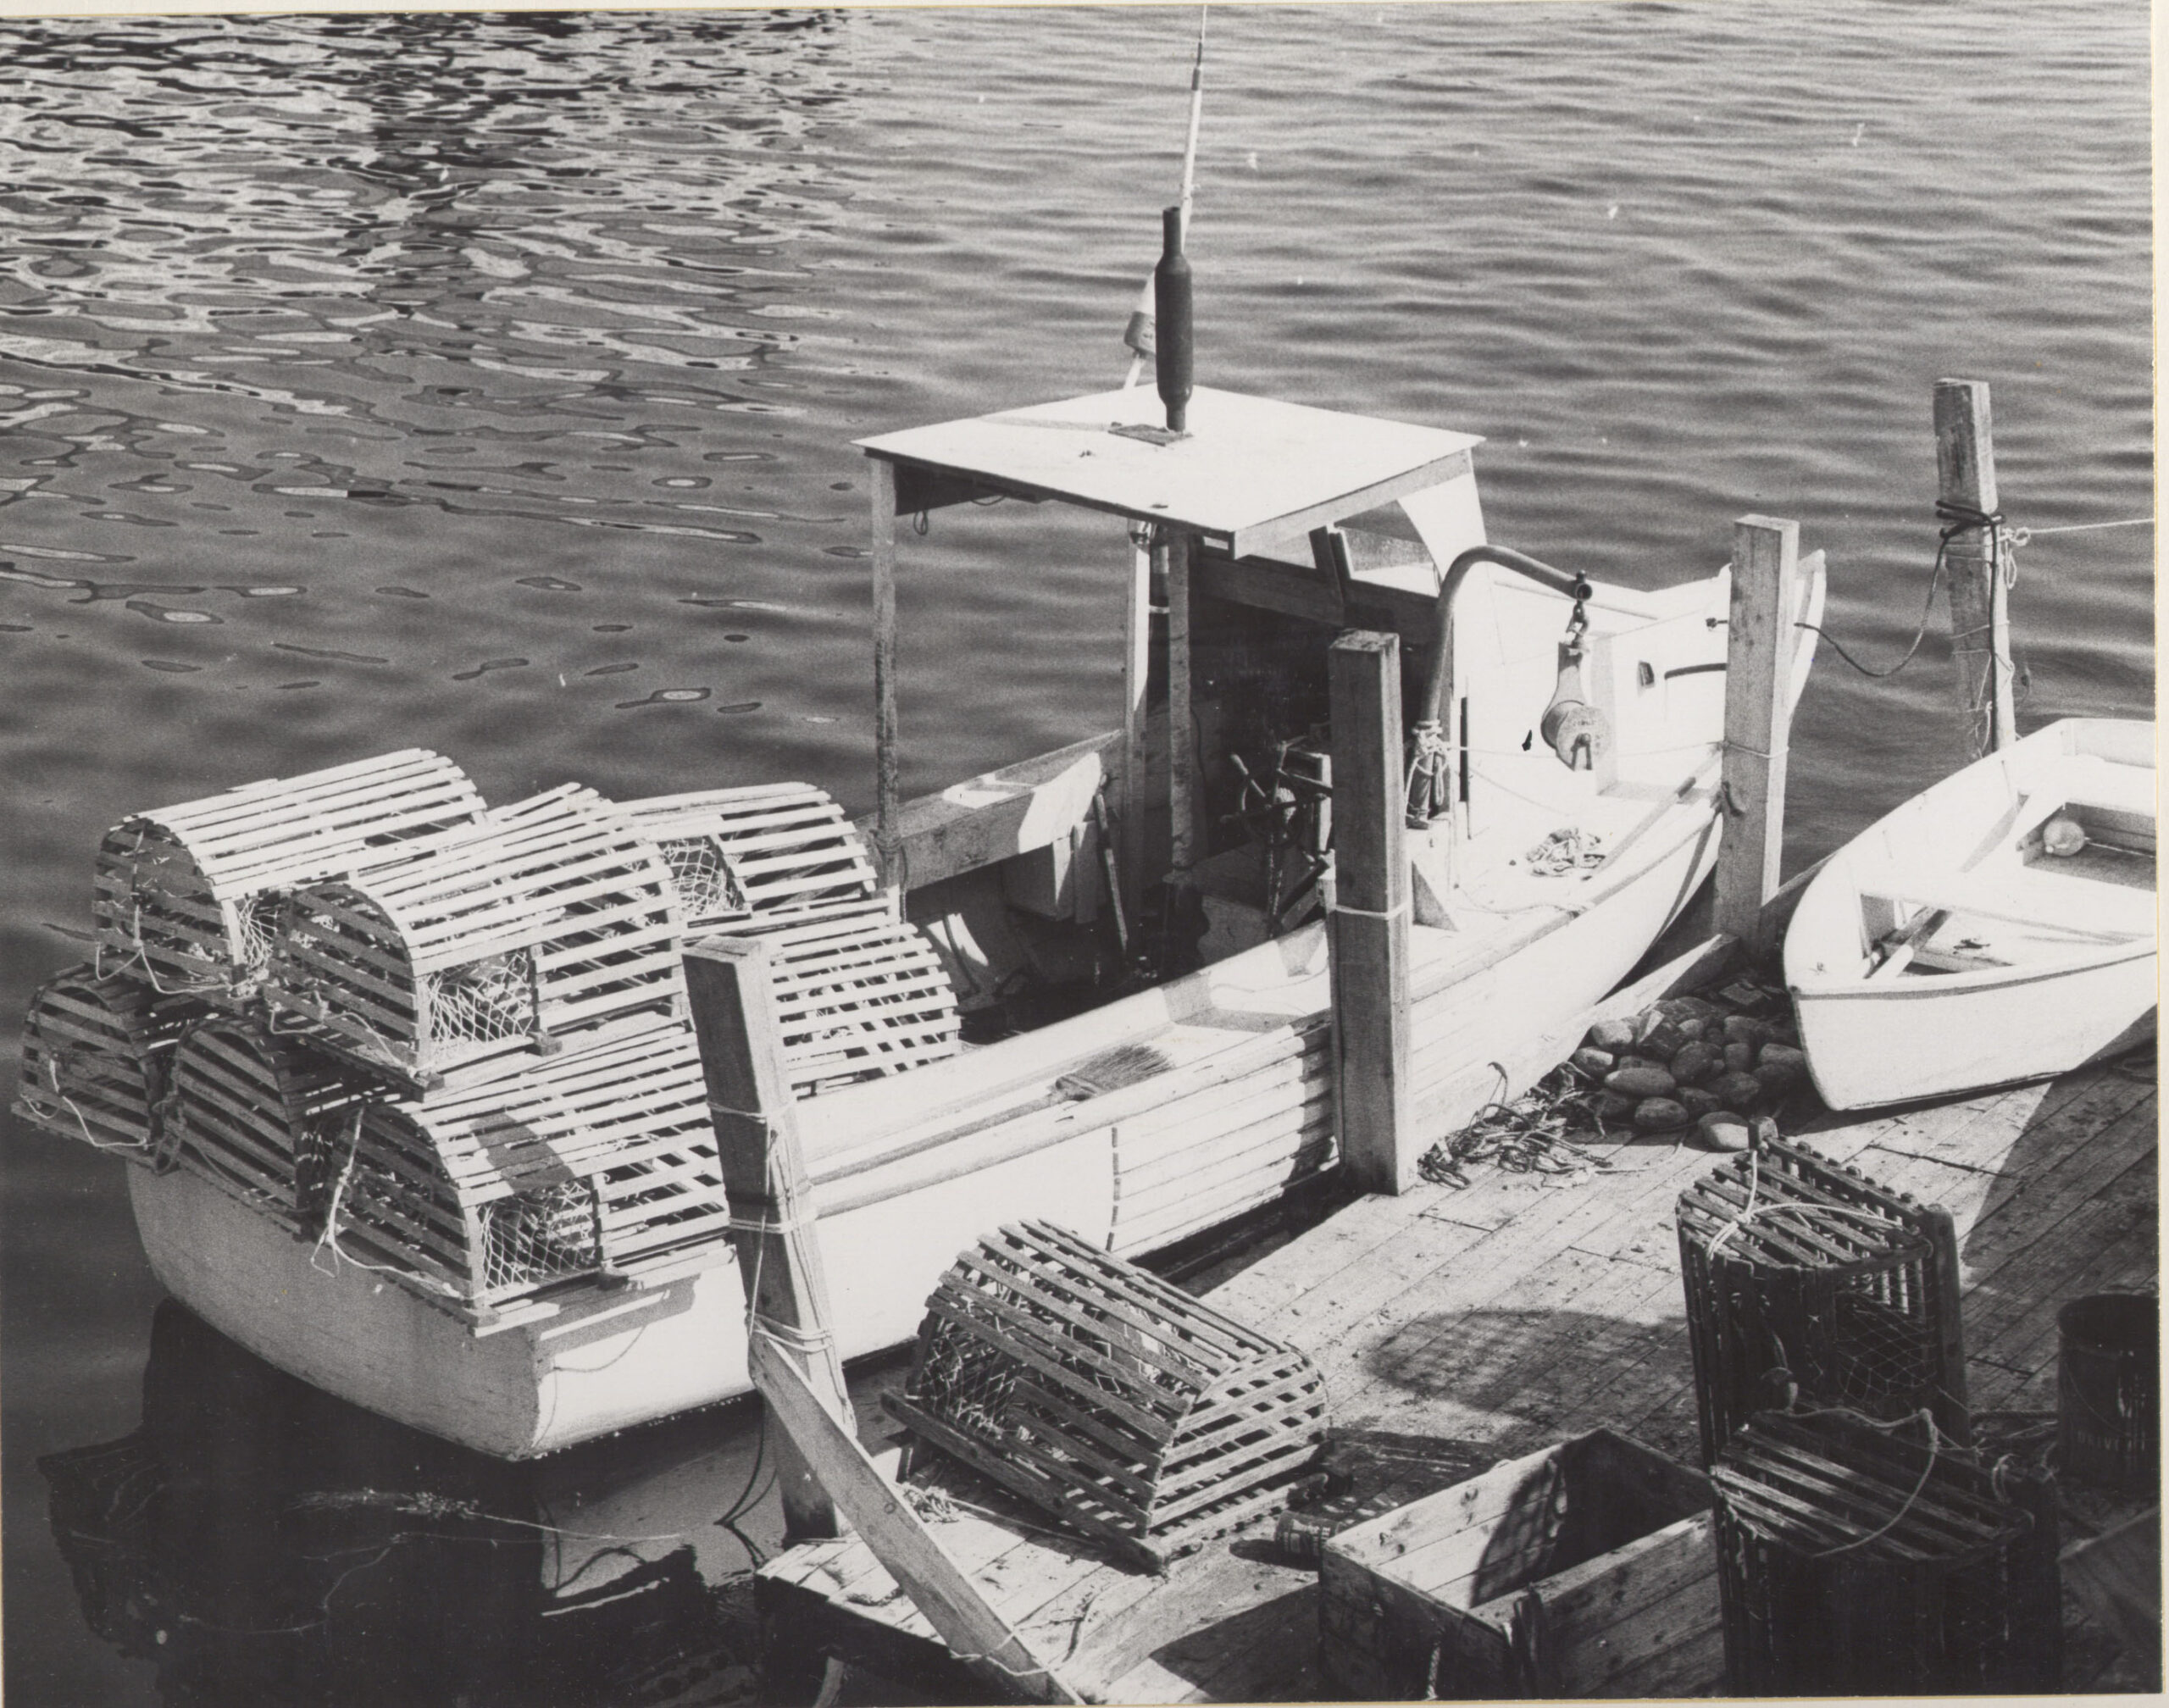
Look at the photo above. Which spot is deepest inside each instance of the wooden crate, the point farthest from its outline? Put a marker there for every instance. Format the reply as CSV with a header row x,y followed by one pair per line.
x,y
598,1162
1805,1276
1856,1561
96,1052
1583,1570
186,896
257,1114
541,918
859,992
1107,1396
768,849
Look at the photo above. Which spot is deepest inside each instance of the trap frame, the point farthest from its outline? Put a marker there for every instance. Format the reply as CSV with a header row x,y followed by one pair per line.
x,y
1805,1274
187,896
541,918
253,1111
598,1162
764,849
97,1052
1855,1559
1107,1395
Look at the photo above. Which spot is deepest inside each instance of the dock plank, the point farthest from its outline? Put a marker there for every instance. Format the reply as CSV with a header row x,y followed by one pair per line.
x,y
1512,1313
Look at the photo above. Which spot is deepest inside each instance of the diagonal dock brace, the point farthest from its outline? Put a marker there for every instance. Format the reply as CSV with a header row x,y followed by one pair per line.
x,y
899,1538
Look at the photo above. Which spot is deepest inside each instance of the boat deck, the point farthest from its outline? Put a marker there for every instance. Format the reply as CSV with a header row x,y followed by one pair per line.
x,y
1506,1315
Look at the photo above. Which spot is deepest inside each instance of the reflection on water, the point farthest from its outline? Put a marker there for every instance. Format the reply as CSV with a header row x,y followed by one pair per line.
x,y
260,1541
485,382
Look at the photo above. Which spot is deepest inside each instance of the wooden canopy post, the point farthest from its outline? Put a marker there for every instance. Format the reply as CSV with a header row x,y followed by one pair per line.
x,y
1980,604
771,1206
1182,742
1136,672
885,829
1369,940
1758,720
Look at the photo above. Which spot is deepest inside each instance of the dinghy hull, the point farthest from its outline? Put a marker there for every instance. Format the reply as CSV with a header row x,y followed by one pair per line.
x,y
1947,949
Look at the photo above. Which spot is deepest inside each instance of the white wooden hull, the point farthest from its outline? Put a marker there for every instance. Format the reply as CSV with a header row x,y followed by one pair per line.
x,y
1229,1131
1867,1050
2081,979
906,1171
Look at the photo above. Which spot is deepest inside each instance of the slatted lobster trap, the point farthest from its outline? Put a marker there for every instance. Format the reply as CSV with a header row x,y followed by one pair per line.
x,y
859,992
254,1112
600,1160
541,917
1108,1396
765,849
187,896
1858,1561
96,1054
1804,1275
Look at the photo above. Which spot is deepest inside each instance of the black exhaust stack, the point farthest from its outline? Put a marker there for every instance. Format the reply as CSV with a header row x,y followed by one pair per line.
x,y
1171,309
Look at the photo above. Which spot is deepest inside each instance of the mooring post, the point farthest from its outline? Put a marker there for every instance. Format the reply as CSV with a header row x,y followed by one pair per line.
x,y
1980,603
1369,940
771,1206
885,829
1758,720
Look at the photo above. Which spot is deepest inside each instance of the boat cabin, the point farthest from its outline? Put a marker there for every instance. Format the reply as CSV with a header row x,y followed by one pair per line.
x,y
1260,533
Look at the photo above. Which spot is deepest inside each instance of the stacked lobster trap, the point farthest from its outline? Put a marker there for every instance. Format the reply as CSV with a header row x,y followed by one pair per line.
x,y
450,1040
1807,1280
859,991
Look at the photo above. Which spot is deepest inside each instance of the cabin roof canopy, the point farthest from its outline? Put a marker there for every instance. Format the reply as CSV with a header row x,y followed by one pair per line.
x,y
1252,473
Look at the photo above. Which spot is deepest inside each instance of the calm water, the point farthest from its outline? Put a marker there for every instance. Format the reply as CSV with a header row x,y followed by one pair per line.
x,y
486,384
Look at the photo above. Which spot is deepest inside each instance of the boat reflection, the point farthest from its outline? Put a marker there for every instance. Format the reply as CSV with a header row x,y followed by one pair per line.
x,y
262,1542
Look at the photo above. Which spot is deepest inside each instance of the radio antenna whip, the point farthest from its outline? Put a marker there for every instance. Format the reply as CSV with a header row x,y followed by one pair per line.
x,y
1138,334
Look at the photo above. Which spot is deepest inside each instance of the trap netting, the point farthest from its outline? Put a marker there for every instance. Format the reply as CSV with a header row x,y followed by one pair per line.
x,y
1808,1282
538,1236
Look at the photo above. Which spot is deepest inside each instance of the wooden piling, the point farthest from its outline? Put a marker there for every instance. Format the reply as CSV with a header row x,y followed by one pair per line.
x,y
885,767
771,1205
1980,603
1369,921
1758,719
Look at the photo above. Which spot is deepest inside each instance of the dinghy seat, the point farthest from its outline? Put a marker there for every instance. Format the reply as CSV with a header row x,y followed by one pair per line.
x,y
2037,897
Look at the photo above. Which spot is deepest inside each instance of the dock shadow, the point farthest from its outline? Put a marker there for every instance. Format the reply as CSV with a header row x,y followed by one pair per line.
x,y
1276,1639
1532,1365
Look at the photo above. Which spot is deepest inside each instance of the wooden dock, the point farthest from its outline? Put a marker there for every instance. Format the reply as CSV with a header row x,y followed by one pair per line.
x,y
1506,1315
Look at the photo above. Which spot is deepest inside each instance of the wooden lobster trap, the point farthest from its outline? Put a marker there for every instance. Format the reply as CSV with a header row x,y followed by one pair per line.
x,y
187,896
96,1056
1854,1561
1804,1276
598,1161
1107,1395
859,993
766,849
541,918
256,1113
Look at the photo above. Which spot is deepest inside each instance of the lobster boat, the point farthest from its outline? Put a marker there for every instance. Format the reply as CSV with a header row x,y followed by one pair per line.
x,y
418,1102
1996,928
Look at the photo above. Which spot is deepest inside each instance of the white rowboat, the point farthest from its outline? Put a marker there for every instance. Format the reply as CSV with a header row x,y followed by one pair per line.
x,y
1950,947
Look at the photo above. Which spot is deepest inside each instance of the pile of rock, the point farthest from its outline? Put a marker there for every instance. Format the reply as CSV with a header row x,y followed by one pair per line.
x,y
1691,1061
